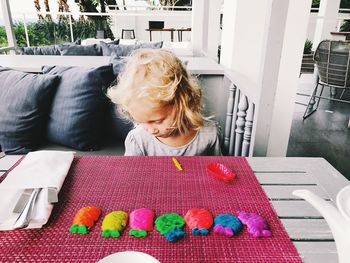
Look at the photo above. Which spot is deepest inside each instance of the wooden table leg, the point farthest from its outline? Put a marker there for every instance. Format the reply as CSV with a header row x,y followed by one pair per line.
x,y
179,35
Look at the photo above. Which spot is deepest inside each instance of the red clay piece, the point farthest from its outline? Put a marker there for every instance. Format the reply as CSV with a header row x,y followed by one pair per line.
x,y
221,172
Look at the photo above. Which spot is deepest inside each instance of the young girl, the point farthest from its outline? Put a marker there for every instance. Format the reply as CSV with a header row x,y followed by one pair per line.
x,y
159,96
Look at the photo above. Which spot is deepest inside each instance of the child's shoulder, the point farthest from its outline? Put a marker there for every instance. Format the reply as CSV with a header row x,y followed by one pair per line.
x,y
210,127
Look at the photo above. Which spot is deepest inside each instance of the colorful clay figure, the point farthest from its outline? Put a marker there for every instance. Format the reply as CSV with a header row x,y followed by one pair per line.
x,y
199,220
256,224
227,225
141,221
114,223
221,172
85,219
170,225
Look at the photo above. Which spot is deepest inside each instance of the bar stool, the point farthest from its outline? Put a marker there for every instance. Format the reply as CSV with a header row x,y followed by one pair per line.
x,y
132,33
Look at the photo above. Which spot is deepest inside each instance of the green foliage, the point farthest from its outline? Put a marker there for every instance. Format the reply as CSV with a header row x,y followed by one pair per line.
x,y
345,27
47,32
345,4
3,38
307,46
315,3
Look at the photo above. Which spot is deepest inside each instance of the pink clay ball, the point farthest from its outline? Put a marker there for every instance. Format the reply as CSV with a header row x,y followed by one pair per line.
x,y
141,219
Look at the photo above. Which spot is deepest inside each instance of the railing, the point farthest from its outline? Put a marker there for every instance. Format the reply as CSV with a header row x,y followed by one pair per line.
x,y
113,14
137,8
239,120
6,49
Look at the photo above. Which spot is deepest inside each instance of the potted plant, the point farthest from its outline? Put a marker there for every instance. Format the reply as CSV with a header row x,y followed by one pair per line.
x,y
307,65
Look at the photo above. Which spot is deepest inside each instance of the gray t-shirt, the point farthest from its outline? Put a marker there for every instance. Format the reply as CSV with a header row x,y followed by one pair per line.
x,y
206,142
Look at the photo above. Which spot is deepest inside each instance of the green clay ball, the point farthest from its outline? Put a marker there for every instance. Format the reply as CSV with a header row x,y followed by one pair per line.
x,y
111,233
167,222
138,233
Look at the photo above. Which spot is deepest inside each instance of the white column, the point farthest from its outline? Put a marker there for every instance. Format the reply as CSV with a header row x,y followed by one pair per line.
x,y
11,39
199,33
288,76
326,21
264,46
213,40
228,33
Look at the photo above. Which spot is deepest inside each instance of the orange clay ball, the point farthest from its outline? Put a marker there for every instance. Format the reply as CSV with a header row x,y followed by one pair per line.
x,y
87,216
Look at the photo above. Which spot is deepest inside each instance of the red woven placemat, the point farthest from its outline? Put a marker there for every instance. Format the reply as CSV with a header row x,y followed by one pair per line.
x,y
127,183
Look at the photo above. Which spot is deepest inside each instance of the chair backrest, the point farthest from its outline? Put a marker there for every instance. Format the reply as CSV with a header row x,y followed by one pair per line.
x,y
332,61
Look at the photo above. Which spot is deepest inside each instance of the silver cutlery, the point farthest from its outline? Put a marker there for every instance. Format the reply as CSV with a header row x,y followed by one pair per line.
x,y
22,200
24,217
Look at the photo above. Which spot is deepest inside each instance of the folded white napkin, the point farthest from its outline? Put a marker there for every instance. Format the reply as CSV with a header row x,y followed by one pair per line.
x,y
40,169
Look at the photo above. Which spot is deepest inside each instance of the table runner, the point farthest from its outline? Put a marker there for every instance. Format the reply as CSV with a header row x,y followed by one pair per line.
x,y
127,183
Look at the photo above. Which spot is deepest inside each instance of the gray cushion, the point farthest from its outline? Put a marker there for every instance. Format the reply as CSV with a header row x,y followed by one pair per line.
x,y
151,44
118,127
77,50
24,103
108,48
126,50
78,112
40,50
52,50
118,63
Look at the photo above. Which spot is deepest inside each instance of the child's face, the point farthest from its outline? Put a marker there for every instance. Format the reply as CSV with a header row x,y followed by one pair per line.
x,y
157,120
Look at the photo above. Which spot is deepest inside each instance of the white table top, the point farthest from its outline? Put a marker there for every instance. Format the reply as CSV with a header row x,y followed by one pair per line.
x,y
279,177
33,63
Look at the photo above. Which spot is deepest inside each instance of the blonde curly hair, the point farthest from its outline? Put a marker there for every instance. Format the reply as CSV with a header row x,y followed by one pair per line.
x,y
157,76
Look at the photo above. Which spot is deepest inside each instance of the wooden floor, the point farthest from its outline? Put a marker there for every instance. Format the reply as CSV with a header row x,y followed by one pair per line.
x,y
324,134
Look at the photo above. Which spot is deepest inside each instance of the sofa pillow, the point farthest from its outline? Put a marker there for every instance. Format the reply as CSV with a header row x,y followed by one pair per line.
x,y
40,50
150,44
44,50
118,63
78,112
108,48
24,104
126,50
77,50
118,127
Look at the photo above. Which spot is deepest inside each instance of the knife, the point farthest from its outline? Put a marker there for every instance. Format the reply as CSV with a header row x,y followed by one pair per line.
x,y
22,201
25,216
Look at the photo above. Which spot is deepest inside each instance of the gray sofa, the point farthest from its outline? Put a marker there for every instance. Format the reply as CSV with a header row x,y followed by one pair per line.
x,y
75,49
62,107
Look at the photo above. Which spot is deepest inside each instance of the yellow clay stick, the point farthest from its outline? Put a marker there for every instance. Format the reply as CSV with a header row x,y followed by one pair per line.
x,y
177,164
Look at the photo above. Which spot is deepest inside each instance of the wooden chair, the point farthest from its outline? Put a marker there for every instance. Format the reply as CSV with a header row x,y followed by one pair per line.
x,y
130,31
332,60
